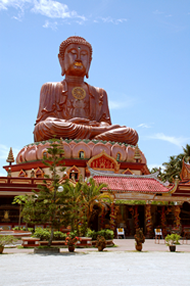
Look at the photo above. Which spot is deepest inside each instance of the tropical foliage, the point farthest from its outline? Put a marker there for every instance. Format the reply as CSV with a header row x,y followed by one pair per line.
x,y
7,239
172,169
87,199
48,205
73,206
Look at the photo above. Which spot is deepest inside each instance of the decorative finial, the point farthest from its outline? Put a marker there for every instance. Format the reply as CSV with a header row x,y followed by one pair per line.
x,y
137,155
10,158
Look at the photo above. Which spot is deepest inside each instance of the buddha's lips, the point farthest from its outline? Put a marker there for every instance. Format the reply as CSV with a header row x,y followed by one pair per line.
x,y
78,64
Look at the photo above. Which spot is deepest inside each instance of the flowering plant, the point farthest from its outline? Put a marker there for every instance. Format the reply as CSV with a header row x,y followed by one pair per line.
x,y
71,239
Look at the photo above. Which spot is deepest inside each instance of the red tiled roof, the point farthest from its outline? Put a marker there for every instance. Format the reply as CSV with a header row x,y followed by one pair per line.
x,y
132,184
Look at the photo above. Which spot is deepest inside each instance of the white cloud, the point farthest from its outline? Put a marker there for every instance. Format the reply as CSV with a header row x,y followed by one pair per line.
x,y
114,105
113,21
17,4
52,25
48,8
52,9
158,12
55,9
144,125
121,104
178,141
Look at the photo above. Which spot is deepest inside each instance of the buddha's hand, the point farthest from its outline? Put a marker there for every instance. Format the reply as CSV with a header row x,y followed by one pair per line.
x,y
79,120
94,123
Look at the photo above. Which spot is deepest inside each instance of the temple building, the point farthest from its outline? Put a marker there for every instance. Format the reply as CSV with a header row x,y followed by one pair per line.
x,y
77,115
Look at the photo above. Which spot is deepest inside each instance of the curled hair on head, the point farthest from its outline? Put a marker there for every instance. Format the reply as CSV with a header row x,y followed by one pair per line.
x,y
73,40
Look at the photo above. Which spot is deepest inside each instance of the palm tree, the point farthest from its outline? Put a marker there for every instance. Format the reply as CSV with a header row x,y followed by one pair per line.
x,y
186,151
172,168
92,197
85,197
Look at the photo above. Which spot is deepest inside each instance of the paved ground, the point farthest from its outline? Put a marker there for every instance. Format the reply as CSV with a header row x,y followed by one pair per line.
x,y
120,265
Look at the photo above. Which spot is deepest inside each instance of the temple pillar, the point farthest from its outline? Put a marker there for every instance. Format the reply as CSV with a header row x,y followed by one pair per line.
x,y
136,217
102,220
177,222
163,221
148,221
113,217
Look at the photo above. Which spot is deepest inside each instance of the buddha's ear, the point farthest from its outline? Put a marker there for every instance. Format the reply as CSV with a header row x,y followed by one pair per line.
x,y
87,69
62,64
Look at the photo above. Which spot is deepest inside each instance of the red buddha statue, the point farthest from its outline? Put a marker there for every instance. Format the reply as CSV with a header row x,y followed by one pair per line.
x,y
72,108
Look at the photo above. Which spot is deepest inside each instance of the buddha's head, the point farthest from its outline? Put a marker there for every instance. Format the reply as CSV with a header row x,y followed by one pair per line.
x,y
75,55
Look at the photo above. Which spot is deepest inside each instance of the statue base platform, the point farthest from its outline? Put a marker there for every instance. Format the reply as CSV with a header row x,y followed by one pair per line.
x,y
78,155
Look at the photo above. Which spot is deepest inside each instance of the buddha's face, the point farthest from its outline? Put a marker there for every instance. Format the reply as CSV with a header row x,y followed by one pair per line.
x,y
76,60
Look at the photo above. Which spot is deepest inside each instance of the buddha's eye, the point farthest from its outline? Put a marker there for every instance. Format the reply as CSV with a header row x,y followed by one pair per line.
x,y
73,51
84,53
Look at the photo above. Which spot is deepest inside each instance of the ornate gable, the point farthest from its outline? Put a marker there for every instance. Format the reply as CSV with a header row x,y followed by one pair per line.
x,y
73,173
104,162
39,173
127,172
185,172
22,174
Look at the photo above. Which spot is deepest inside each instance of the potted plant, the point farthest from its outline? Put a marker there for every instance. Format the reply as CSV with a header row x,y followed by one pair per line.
x,y
71,240
6,239
139,239
172,240
100,243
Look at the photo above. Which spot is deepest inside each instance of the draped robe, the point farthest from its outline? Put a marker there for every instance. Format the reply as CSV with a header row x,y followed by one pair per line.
x,y
56,112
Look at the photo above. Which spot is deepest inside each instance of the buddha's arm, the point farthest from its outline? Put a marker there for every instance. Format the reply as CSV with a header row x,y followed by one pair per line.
x,y
104,116
49,95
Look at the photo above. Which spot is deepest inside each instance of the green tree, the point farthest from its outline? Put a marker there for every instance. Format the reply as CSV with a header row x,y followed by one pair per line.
x,y
85,197
172,168
51,203
186,152
20,200
92,196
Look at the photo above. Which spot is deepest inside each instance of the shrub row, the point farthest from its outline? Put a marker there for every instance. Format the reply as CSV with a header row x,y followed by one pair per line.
x,y
44,234
106,233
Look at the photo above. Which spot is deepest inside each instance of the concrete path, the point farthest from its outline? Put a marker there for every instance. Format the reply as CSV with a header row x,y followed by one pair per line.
x,y
122,245
121,265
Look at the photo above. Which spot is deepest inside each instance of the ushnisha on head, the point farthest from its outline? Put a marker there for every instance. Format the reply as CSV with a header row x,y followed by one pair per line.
x,y
75,51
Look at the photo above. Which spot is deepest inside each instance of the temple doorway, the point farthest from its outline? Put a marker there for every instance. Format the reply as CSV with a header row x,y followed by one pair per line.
x,y
185,214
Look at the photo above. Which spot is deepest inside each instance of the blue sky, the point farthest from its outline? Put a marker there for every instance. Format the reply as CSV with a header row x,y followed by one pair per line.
x,y
140,57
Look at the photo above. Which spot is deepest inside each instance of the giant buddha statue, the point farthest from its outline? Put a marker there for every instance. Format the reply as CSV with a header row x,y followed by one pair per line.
x,y
72,108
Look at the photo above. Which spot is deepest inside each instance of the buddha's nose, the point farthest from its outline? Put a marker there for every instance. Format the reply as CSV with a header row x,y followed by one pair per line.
x,y
78,57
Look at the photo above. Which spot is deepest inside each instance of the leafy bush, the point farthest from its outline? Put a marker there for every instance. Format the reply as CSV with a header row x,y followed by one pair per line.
x,y
106,233
16,228
91,233
58,235
172,239
109,234
7,239
44,234
30,229
72,234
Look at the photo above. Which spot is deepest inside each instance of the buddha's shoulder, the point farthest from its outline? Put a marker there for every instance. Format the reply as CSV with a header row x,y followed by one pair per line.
x,y
53,85
96,90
